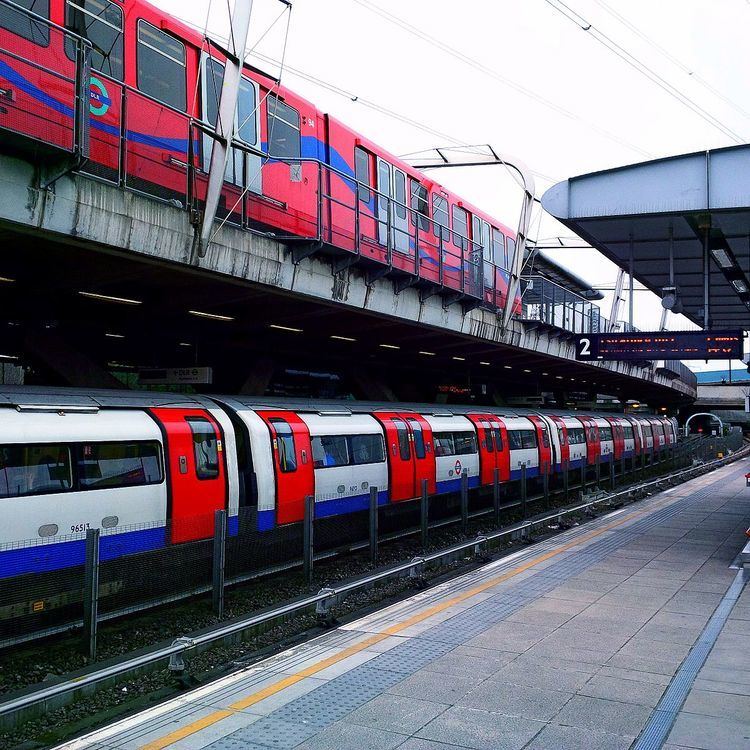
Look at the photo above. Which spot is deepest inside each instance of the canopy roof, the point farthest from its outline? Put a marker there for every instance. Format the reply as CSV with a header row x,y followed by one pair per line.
x,y
678,199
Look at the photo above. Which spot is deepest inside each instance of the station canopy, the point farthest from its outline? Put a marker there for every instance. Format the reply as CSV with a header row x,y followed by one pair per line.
x,y
683,204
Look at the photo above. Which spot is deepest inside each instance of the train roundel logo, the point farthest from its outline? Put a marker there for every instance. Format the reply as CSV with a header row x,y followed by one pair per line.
x,y
99,101
457,467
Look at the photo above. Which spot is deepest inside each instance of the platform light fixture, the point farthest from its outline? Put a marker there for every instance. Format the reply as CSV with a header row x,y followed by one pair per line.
x,y
184,343
459,359
110,298
428,354
211,316
487,364
739,285
343,338
546,374
114,336
525,370
288,329
559,377
6,280
507,367
389,346
9,356
722,257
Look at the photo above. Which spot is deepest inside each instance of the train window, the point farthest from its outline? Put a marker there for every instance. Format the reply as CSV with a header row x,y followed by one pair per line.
x,y
528,439
285,445
161,66
545,439
23,25
111,465
403,439
330,450
420,207
362,173
247,113
510,251
498,248
416,428
205,448
460,227
440,216
399,193
515,440
34,470
366,449
561,435
577,436
628,430
498,439
605,433
99,21
283,130
455,443
488,441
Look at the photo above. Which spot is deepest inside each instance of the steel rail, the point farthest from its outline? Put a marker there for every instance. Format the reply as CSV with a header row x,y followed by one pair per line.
x,y
184,644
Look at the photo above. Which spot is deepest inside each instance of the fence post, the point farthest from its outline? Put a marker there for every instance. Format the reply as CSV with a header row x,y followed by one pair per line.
x,y
496,496
612,474
545,485
374,525
566,479
424,513
598,472
464,500
91,592
307,538
523,489
220,559
583,476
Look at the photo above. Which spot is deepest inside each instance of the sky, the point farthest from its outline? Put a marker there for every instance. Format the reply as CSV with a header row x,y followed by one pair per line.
x,y
519,75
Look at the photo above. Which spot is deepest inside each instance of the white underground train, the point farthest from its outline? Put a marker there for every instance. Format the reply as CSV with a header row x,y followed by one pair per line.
x,y
150,469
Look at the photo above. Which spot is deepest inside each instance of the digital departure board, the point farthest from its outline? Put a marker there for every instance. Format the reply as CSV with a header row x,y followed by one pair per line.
x,y
660,345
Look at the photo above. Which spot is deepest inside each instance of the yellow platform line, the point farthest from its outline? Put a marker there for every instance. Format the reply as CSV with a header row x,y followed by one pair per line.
x,y
277,687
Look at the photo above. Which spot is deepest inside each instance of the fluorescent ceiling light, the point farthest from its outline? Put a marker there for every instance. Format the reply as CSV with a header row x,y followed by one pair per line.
x,y
288,329
114,335
428,354
389,346
6,280
460,359
210,316
484,363
110,298
545,373
507,367
721,256
343,338
184,343
525,370
739,285
9,356
559,377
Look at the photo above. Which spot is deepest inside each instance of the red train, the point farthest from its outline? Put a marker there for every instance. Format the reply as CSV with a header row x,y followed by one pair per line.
x,y
153,90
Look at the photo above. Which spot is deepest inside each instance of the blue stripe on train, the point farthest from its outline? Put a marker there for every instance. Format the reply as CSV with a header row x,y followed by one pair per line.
x,y
531,471
42,558
454,485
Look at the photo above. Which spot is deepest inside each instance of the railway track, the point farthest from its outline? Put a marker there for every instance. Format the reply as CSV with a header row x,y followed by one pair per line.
x,y
174,656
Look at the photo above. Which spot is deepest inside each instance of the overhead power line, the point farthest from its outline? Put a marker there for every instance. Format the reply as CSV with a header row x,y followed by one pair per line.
x,y
494,74
641,67
674,60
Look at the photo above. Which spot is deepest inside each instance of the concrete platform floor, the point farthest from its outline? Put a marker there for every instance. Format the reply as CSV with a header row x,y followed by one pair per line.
x,y
630,631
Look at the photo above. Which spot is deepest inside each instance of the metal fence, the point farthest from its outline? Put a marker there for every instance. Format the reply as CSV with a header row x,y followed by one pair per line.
x,y
86,589
547,302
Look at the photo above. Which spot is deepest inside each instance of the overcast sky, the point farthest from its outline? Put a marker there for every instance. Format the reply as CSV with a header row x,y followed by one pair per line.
x,y
530,82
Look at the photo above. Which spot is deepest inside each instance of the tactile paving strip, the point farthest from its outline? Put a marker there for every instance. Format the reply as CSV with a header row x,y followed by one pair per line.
x,y
300,719
661,720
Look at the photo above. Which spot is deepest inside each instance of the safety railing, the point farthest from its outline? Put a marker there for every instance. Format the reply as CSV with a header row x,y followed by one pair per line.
x,y
45,75
546,302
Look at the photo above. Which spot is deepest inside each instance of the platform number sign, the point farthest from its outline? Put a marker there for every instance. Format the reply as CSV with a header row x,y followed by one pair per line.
x,y
584,348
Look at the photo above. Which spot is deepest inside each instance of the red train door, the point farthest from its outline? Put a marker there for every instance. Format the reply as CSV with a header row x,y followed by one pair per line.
x,y
493,448
292,463
544,442
411,458
593,443
196,471
562,432
618,437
